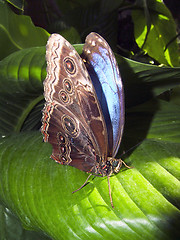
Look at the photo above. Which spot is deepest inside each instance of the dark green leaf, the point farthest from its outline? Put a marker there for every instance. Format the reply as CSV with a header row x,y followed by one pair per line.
x,y
17,3
108,6
144,81
71,35
11,228
18,32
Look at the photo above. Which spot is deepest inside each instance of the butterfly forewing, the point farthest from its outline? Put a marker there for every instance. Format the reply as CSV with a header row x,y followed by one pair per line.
x,y
72,118
104,72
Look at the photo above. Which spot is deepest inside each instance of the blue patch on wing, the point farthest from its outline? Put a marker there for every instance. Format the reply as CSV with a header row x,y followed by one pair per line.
x,y
104,73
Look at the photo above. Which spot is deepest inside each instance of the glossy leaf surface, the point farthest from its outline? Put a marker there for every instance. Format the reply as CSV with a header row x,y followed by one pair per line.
x,y
39,191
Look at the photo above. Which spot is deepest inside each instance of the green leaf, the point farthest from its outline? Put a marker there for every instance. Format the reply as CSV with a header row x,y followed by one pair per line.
x,y
21,87
39,191
162,31
18,32
144,81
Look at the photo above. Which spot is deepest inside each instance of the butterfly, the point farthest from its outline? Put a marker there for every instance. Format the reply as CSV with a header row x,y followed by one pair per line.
x,y
83,116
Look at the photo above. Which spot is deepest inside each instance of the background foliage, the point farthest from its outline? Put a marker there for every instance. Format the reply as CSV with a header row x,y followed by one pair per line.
x,y
143,33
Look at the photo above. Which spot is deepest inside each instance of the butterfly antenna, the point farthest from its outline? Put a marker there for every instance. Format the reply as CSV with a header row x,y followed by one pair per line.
x,y
131,148
110,196
83,183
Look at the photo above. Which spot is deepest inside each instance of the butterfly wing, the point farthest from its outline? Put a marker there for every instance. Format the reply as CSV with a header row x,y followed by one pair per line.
x,y
72,120
104,72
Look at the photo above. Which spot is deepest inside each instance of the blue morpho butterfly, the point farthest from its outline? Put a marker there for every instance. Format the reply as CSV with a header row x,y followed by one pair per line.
x,y
83,117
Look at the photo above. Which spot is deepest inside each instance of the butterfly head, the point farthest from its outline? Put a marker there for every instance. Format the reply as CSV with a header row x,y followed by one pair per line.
x,y
111,166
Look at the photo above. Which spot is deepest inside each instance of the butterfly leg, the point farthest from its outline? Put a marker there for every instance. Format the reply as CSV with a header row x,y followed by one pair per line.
x,y
110,196
83,183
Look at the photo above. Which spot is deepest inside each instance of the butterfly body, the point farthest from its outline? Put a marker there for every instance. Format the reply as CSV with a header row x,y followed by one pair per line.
x,y
83,117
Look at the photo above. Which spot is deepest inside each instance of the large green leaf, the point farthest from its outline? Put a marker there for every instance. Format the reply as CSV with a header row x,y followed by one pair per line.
x,y
39,191
21,88
156,21
146,198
